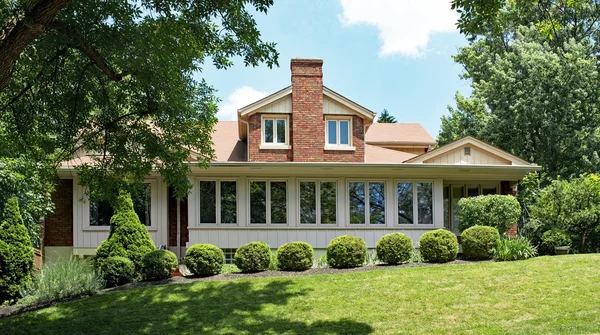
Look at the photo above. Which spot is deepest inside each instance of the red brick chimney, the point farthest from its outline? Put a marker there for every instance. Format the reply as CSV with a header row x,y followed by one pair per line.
x,y
307,110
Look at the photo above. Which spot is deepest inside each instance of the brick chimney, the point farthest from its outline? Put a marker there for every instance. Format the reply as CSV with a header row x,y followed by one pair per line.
x,y
307,110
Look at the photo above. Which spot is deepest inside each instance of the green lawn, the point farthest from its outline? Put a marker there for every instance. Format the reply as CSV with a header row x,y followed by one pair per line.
x,y
545,295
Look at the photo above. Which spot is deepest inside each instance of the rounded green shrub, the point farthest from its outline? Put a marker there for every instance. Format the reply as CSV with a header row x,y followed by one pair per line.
x,y
346,252
478,242
554,238
295,256
498,211
158,264
16,253
394,248
253,257
204,259
438,246
117,270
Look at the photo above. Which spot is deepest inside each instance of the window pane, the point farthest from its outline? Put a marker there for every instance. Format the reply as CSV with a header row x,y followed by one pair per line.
x,y
268,131
280,131
141,205
357,202
488,190
377,203
208,202
100,212
344,130
447,208
258,202
472,191
425,202
308,202
328,202
457,194
228,202
405,203
332,132
278,202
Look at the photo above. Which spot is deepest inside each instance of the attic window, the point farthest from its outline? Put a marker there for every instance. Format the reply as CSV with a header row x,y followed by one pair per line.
x,y
467,151
275,133
338,134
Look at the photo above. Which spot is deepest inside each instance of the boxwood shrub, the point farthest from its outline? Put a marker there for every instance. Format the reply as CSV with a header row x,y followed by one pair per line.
x,y
498,211
253,257
158,264
554,238
394,248
346,252
438,246
204,259
478,242
295,256
117,270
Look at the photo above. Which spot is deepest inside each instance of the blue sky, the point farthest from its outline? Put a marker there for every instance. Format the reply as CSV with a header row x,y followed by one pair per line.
x,y
393,54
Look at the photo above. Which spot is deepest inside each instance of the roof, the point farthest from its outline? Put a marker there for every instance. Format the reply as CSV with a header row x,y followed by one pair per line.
x,y
227,146
375,154
409,134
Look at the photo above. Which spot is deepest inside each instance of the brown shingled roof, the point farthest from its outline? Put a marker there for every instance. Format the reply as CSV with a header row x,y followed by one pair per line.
x,y
227,146
375,154
398,134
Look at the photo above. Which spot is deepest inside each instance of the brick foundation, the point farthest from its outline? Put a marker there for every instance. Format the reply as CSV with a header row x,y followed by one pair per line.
x,y
58,226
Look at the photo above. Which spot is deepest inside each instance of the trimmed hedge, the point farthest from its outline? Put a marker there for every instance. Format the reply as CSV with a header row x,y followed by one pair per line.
x,y
498,211
253,257
117,270
158,264
295,256
204,259
394,248
346,252
478,242
554,238
16,253
438,246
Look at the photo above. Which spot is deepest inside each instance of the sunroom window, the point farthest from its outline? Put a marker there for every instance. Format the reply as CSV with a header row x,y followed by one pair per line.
x,y
275,131
415,202
318,202
363,211
268,202
218,202
101,211
338,132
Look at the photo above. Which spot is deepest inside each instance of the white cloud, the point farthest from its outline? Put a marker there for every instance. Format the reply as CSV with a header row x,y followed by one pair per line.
x,y
405,26
239,98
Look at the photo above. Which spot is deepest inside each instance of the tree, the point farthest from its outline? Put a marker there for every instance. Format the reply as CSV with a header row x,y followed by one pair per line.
x,y
386,117
116,79
468,119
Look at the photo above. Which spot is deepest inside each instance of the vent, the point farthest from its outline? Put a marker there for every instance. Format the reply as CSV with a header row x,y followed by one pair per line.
x,y
467,151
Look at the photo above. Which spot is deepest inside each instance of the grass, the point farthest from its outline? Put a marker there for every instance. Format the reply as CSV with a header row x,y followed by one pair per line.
x,y
545,295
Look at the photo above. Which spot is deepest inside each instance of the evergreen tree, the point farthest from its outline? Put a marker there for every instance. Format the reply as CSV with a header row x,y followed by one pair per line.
x,y
386,117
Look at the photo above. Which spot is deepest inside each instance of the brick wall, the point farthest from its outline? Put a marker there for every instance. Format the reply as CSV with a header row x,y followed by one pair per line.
x,y
58,226
358,141
269,155
173,220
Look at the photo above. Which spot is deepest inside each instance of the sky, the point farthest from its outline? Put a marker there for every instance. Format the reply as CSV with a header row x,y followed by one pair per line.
x,y
392,54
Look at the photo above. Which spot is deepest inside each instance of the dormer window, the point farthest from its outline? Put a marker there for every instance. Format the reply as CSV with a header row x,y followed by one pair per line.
x,y
338,134
275,132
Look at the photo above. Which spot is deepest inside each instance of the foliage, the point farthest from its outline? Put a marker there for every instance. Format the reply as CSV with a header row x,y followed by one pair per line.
x,y
468,119
514,249
394,248
117,270
321,262
230,268
64,279
16,253
498,211
253,257
554,238
386,117
204,259
438,246
127,238
274,264
158,264
346,251
478,242
295,256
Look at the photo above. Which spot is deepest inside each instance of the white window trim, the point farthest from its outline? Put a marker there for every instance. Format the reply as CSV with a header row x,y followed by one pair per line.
x,y
268,203
415,203
154,203
218,203
275,145
367,203
318,182
338,146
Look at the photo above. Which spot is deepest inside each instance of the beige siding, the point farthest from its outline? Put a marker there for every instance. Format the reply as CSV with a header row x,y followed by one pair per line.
x,y
281,106
477,157
333,108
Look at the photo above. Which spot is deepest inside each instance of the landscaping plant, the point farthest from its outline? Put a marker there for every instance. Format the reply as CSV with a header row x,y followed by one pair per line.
x,y
394,248
158,264
253,257
16,253
117,270
346,252
554,238
513,249
295,256
204,259
478,242
438,246
498,211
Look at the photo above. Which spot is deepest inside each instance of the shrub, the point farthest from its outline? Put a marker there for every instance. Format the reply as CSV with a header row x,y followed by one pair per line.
x,y
63,279
438,246
394,248
158,264
295,256
16,253
478,242
204,259
346,252
117,270
498,211
253,257
127,238
554,238
512,249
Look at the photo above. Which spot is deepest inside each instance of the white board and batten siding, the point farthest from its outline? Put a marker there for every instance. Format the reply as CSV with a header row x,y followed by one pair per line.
x,y
86,236
477,157
331,107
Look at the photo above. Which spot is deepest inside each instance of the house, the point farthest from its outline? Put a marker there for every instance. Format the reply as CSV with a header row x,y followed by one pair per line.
x,y
303,164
